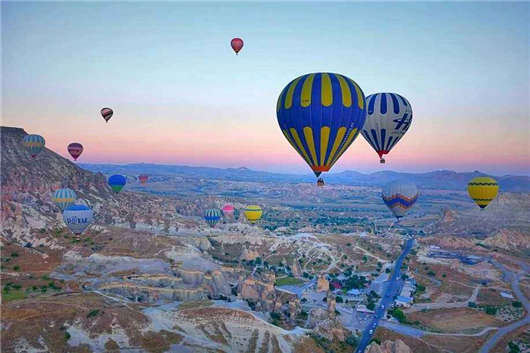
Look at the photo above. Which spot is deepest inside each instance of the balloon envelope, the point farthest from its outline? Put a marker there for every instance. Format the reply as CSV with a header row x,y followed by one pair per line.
x,y
483,190
253,213
117,182
77,218
64,198
33,144
75,149
321,114
228,210
399,197
107,113
388,119
143,178
212,216
237,44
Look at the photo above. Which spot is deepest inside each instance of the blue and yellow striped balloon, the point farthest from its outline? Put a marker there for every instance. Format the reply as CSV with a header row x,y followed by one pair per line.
x,y
33,144
321,114
64,198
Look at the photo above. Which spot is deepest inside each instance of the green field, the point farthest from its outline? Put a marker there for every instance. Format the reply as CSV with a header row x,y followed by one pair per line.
x,y
288,281
13,294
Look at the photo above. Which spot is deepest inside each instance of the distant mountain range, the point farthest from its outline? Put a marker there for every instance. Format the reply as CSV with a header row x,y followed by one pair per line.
x,y
441,179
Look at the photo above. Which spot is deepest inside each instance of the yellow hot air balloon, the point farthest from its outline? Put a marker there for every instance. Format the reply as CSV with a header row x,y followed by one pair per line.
x,y
482,190
253,213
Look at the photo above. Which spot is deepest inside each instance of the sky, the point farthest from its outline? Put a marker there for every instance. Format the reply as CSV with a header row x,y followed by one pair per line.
x,y
181,96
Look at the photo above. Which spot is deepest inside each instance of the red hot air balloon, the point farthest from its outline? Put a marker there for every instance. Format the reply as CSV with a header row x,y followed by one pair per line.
x,y
143,178
75,149
237,44
106,113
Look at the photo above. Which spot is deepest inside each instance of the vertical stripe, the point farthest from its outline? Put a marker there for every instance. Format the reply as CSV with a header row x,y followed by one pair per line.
x,y
371,104
289,138
279,103
299,144
395,103
308,134
326,91
290,91
324,139
360,95
376,140
383,103
403,100
347,144
345,90
338,139
369,139
383,137
305,100
388,143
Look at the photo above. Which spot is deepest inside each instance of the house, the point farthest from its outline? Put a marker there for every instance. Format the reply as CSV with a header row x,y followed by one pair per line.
x,y
506,295
363,309
403,301
408,288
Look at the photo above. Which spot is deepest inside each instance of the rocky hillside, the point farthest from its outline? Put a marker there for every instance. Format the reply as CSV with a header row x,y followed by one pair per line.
x,y
28,184
397,346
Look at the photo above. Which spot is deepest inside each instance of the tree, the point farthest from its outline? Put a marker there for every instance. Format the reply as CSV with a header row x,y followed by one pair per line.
x,y
517,304
491,310
399,315
370,306
339,299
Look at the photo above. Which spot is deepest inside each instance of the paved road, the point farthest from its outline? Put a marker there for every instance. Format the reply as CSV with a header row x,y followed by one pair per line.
x,y
514,279
392,289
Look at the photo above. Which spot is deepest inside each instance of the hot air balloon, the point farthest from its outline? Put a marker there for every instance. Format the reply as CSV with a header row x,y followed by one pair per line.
x,y
106,113
117,182
143,178
212,216
75,149
253,213
33,144
483,190
64,198
400,196
388,119
320,182
77,218
237,44
228,211
321,114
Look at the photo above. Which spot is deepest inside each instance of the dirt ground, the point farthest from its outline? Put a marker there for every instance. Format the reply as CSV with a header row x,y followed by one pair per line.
x,y
416,345
458,343
454,320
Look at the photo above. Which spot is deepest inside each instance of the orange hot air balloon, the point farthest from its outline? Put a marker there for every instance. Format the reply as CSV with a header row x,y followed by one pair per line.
x,y
237,44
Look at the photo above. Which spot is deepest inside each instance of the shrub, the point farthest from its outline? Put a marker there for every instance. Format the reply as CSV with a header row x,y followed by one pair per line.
x,y
92,313
491,310
517,304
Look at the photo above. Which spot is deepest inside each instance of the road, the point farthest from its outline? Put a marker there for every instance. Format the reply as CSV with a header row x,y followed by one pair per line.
x,y
514,279
392,290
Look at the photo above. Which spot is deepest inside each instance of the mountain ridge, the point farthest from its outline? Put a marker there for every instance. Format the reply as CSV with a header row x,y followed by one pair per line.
x,y
437,179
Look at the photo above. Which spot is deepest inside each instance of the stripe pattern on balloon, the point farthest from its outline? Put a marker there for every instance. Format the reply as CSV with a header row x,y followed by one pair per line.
x,y
388,118
321,114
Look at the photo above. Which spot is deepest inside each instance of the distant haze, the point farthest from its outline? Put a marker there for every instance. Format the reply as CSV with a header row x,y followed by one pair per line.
x,y
181,96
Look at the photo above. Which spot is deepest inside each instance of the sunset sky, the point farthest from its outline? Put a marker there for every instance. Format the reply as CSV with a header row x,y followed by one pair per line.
x,y
181,96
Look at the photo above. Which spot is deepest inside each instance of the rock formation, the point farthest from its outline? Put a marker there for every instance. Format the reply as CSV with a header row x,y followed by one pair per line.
x,y
322,284
397,346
